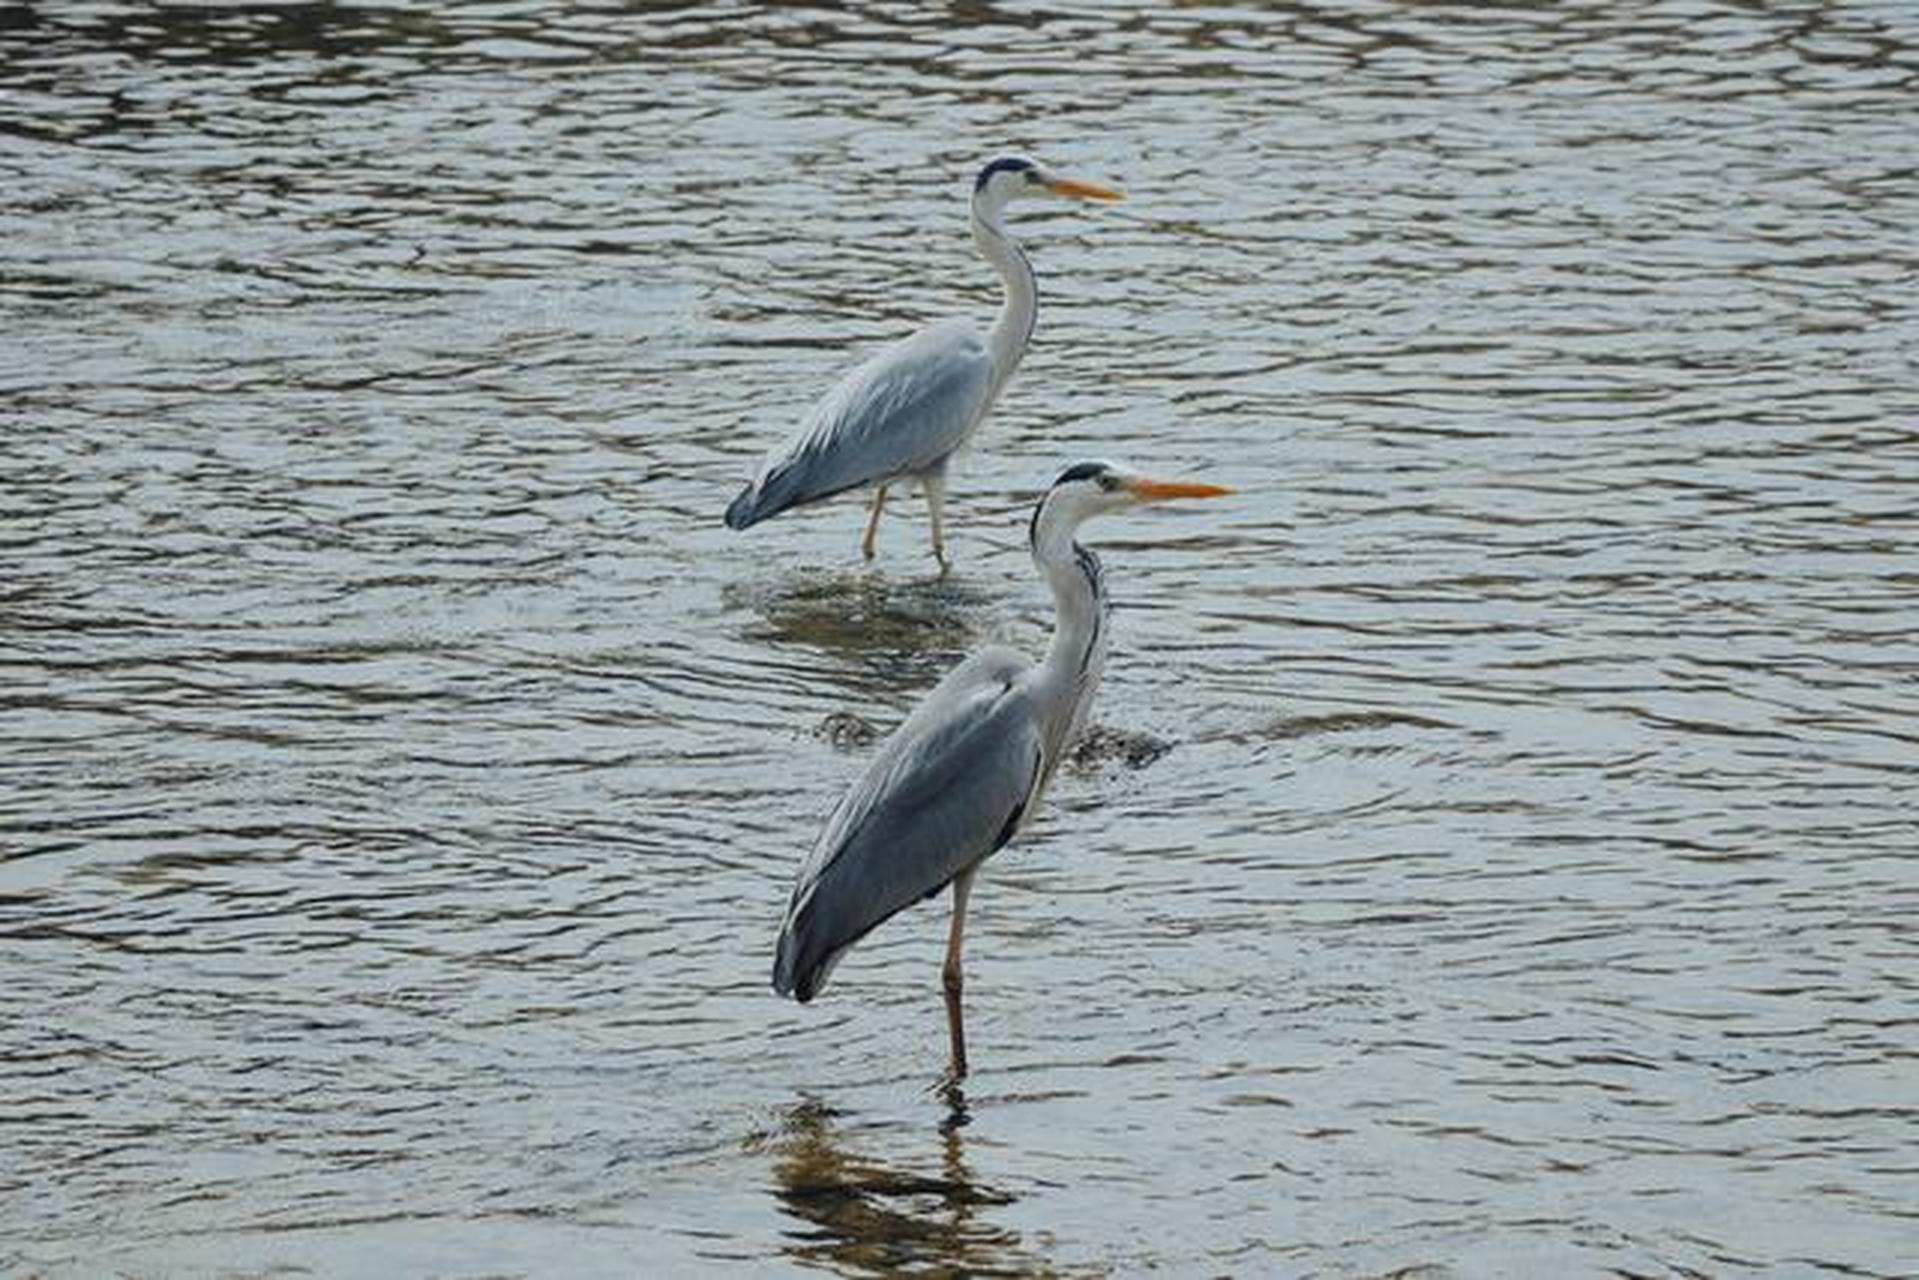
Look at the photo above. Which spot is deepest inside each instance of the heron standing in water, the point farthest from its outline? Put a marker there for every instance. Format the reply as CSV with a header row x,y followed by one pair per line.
x,y
904,413
966,770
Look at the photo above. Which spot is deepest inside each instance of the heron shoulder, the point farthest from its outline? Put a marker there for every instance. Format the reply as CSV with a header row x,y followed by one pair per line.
x,y
982,705
945,339
993,670
937,379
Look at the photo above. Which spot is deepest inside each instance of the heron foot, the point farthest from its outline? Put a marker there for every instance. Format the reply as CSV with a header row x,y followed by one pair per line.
x,y
957,1114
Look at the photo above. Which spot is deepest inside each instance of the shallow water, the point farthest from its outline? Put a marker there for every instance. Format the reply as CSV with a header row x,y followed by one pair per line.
x,y
1496,848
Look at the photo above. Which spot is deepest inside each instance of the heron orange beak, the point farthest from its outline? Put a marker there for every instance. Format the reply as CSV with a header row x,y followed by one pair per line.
x,y
1161,490
1083,190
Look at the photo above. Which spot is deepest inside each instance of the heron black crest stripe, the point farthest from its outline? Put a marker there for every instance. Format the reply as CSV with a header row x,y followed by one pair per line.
x,y
1081,471
1002,165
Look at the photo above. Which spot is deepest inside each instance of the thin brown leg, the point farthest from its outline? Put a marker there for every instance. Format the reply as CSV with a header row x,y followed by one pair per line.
x,y
952,978
934,482
873,521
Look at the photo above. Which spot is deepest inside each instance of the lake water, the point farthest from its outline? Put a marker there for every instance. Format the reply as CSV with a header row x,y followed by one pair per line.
x,y
1496,852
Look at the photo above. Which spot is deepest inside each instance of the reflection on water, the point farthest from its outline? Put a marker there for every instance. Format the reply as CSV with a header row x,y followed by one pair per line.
x,y
1101,746
865,1217
1494,850
882,637
865,615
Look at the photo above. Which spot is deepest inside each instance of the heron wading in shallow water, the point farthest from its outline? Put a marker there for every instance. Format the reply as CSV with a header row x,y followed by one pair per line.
x,y
907,410
959,778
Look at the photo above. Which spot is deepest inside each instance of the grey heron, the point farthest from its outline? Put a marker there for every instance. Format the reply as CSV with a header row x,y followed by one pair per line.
x,y
966,770
908,409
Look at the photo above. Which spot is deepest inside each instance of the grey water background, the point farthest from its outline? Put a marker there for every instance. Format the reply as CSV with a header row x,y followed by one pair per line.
x,y
1496,850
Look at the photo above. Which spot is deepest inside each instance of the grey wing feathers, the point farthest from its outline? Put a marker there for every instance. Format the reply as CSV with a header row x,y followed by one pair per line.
x,y
901,412
948,788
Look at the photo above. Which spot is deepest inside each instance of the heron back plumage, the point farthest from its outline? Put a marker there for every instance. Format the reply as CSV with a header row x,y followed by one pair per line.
x,y
902,412
948,788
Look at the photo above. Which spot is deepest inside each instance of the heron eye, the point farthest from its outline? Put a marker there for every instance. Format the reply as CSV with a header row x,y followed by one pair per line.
x,y
1108,481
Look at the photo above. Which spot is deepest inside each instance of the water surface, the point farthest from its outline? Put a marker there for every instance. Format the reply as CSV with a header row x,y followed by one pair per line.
x,y
1496,852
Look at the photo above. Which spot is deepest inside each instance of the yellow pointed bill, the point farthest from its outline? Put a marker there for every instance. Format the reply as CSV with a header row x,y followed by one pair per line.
x,y
1161,490
1083,189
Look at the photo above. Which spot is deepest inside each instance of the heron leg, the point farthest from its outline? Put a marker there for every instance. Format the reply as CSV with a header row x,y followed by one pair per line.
x,y
952,978
934,482
873,521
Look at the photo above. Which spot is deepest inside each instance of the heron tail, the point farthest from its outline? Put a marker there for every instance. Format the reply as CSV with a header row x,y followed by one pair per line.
x,y
803,960
746,510
790,978
781,488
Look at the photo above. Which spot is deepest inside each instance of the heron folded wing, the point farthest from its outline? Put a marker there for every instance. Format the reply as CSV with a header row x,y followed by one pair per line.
x,y
947,789
902,412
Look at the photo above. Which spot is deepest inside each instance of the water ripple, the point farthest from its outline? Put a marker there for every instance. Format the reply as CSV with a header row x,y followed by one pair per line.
x,y
1493,843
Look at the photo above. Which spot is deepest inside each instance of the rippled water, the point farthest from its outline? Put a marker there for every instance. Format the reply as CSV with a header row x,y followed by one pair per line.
x,y
1496,852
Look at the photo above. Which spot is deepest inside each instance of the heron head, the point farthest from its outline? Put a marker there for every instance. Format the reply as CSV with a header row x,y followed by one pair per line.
x,y
1012,178
1087,489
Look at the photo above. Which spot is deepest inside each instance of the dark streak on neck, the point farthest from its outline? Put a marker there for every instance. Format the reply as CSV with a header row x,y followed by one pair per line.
x,y
1088,564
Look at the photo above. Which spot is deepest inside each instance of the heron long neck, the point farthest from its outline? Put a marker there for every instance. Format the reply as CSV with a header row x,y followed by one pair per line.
x,y
1077,654
1014,328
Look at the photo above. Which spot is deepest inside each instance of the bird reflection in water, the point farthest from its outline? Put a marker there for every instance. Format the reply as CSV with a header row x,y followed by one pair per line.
x,y
867,1217
861,618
